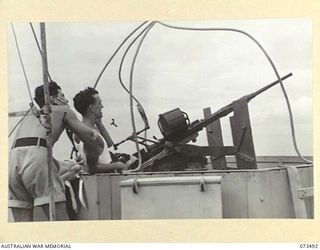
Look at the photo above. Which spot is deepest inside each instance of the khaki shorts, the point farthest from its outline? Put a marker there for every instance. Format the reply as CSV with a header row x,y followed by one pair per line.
x,y
28,178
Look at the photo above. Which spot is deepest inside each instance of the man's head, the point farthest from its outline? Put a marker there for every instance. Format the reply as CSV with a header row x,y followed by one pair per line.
x,y
55,93
88,101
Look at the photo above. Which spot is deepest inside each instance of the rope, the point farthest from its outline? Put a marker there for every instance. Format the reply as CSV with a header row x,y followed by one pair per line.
x,y
21,62
114,54
19,122
38,45
273,67
131,95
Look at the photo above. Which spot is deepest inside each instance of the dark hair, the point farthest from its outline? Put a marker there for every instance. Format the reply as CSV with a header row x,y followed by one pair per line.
x,y
84,99
39,93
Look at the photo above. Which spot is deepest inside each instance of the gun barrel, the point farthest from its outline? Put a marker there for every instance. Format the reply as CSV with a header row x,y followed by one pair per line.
x,y
258,92
229,108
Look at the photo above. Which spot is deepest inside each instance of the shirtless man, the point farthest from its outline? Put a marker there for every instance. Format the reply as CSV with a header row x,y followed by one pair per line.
x,y
28,168
98,159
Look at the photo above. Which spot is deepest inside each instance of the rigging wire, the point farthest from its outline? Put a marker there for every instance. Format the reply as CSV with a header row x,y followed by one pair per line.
x,y
38,45
26,78
21,62
49,76
114,54
131,95
19,121
271,63
27,81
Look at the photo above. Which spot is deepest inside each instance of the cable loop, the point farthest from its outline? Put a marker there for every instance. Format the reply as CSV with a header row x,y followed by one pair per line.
x,y
272,65
120,67
124,56
114,54
131,95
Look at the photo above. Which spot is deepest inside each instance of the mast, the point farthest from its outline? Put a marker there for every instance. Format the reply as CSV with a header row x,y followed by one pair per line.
x,y
47,111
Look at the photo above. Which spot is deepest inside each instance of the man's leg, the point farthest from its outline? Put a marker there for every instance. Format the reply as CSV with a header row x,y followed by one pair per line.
x,y
60,208
22,214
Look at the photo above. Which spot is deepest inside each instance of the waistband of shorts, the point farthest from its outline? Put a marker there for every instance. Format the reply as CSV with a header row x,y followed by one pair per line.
x,y
29,141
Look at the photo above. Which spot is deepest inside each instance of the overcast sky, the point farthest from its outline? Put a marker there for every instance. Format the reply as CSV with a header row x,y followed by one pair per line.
x,y
186,69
